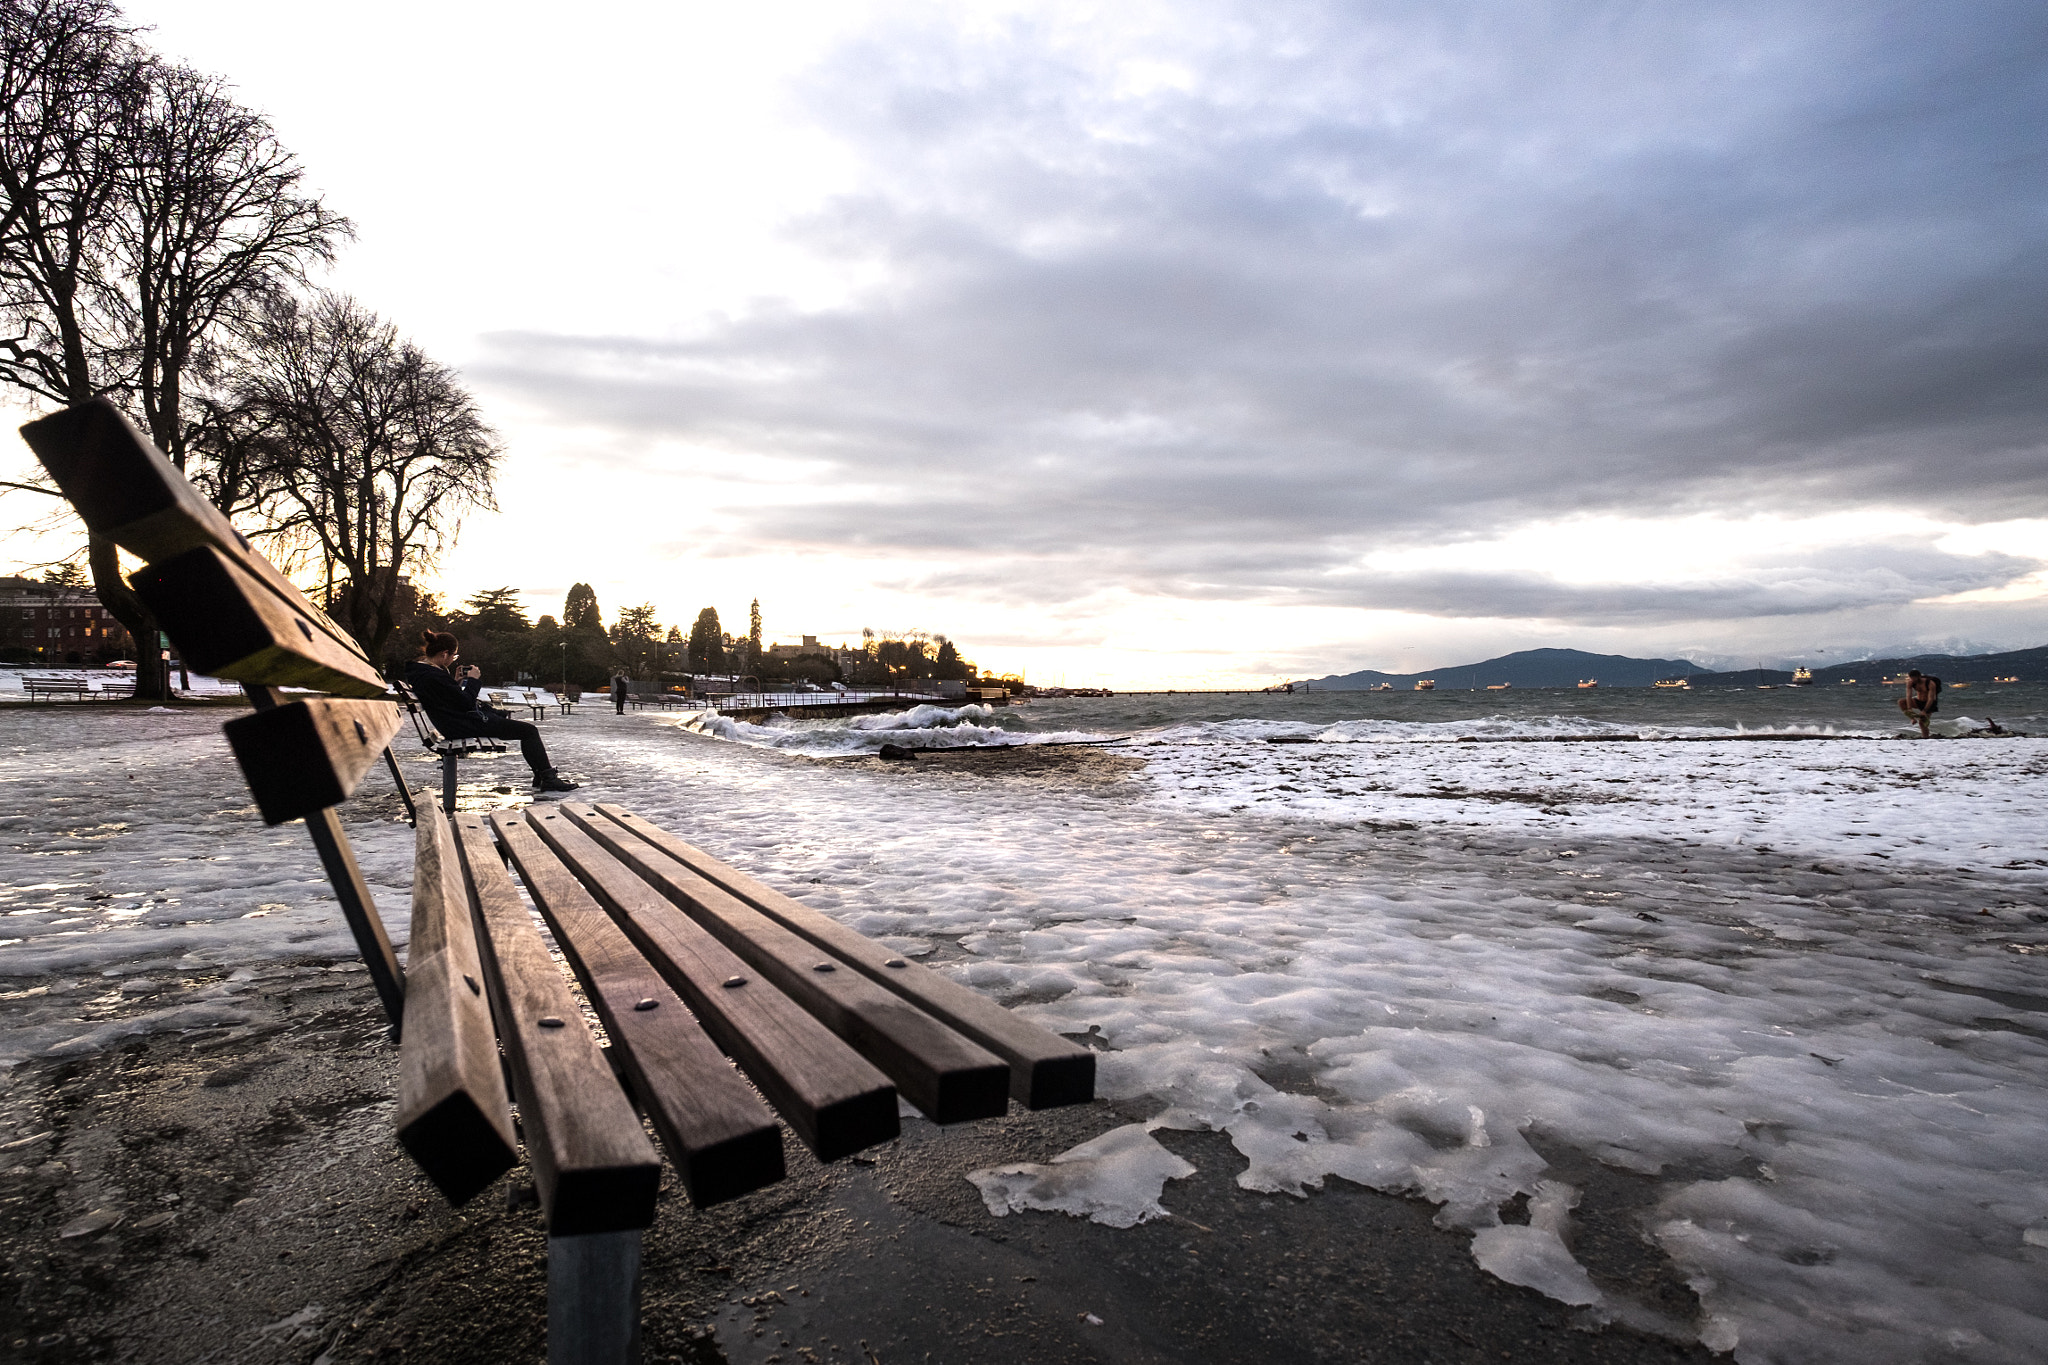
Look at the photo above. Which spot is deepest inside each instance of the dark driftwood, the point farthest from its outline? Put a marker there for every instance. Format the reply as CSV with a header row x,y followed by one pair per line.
x,y
307,755
453,1114
836,1102
723,1140
592,1163
1046,1070
228,625
946,1076
126,490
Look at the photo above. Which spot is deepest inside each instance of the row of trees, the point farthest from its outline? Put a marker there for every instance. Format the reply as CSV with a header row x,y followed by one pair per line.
x,y
578,648
155,247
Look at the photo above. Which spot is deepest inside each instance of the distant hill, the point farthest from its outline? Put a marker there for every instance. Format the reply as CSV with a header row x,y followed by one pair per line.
x,y
1565,667
1524,668
2028,665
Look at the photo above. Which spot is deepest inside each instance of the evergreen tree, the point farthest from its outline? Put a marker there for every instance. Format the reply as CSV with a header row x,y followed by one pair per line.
x,y
580,612
707,643
497,609
754,636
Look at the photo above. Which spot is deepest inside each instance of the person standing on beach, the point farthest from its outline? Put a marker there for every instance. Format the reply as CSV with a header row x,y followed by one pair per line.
x,y
449,697
1922,699
619,694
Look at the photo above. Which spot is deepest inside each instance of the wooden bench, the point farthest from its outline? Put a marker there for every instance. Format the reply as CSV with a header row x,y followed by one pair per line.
x,y
684,960
55,687
509,698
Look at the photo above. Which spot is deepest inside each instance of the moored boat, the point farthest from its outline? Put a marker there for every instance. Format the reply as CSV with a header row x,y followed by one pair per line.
x,y
1426,685
2012,679
1498,687
1801,677
1585,683
1678,684
1383,687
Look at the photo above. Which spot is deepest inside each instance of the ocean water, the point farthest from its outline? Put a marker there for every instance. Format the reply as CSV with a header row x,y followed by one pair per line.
x,y
1789,990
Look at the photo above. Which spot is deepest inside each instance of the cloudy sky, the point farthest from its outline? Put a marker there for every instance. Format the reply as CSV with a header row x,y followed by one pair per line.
x,y
1219,342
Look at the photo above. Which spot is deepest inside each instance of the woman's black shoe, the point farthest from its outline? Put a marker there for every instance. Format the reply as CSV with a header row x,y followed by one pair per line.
x,y
553,782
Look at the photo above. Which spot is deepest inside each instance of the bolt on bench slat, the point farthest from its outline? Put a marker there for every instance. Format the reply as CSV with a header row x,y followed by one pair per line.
x,y
943,1074
592,1163
723,1140
833,1099
1046,1070
453,1114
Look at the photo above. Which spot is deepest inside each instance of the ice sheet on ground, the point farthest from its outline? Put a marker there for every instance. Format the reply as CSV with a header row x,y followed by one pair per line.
x,y
1795,984
1114,1179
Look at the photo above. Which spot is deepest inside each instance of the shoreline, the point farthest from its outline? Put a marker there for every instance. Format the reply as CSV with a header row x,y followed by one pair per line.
x,y
254,1200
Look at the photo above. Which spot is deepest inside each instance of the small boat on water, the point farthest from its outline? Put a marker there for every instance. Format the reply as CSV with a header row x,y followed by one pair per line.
x,y
1676,684
1585,683
1498,687
1899,681
2005,679
1846,682
1801,677
1383,687
1426,685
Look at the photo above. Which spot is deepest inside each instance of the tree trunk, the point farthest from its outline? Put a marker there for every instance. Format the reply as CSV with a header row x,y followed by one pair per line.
x,y
152,678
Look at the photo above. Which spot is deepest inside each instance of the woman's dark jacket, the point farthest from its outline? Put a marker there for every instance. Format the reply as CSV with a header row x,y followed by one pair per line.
x,y
451,705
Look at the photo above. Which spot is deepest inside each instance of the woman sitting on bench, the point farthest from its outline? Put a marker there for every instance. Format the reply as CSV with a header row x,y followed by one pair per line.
x,y
449,697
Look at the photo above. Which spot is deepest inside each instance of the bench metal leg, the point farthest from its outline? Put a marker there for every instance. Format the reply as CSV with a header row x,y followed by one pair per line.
x,y
357,905
594,1299
412,813
448,783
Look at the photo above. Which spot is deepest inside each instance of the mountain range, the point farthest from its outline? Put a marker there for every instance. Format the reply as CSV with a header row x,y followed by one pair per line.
x,y
1567,667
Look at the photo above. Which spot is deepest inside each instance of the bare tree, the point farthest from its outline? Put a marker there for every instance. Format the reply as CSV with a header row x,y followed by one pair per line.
x,y
70,88
143,216
381,448
213,224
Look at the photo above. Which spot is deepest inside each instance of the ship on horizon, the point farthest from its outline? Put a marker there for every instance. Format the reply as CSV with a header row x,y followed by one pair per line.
x,y
1426,685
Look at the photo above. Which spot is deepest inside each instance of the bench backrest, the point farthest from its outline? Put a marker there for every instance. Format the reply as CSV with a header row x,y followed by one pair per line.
x,y
233,615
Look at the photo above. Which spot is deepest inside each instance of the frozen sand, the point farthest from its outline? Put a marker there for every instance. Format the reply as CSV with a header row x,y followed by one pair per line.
x,y
1463,1009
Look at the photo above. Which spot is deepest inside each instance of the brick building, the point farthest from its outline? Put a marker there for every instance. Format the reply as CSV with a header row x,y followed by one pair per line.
x,y
47,624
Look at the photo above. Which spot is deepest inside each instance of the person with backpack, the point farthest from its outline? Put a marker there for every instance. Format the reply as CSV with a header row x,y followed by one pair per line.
x,y
1922,699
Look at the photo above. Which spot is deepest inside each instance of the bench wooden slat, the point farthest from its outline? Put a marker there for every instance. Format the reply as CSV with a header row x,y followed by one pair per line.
x,y
1046,1070
830,1097
945,1075
228,625
592,1163
723,1140
125,489
308,755
453,1114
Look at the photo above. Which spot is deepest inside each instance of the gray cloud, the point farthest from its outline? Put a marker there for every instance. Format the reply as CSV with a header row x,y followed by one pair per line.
x,y
1391,275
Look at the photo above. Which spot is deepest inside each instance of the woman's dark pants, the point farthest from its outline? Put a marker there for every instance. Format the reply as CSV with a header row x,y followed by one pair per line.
x,y
504,727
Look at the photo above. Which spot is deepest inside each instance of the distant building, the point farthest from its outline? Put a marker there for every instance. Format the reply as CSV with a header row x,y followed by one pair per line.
x,y
846,658
51,624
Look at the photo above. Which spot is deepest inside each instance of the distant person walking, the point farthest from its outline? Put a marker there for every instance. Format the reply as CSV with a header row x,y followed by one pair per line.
x,y
449,695
619,693
1922,699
